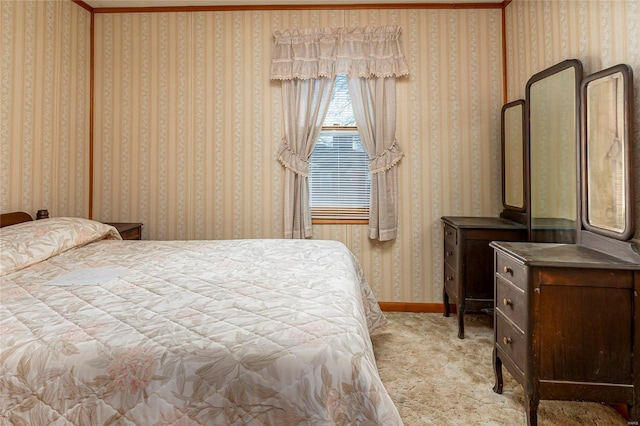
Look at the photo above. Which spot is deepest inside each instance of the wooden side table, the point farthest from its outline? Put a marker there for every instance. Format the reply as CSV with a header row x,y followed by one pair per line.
x,y
128,231
468,261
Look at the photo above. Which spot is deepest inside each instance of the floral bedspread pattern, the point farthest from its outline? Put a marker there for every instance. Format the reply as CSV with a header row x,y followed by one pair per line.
x,y
244,332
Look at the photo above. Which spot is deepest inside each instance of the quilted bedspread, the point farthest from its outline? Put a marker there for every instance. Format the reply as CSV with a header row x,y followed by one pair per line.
x,y
235,332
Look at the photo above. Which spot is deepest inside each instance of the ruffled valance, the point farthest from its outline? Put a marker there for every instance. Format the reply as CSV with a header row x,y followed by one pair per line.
x,y
325,52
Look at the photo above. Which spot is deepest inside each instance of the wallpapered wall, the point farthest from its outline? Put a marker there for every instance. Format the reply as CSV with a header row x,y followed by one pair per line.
x,y
187,122
44,109
187,125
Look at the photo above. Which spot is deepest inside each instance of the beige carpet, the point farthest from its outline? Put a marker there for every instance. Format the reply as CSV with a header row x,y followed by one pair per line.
x,y
435,378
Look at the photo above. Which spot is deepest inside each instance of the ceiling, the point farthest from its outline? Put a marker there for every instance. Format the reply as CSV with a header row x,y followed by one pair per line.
x,y
181,3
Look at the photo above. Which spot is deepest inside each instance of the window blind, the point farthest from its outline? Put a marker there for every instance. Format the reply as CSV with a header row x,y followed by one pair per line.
x,y
339,178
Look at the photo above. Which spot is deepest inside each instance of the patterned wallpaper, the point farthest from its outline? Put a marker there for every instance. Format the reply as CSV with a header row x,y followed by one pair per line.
x,y
44,109
187,122
187,125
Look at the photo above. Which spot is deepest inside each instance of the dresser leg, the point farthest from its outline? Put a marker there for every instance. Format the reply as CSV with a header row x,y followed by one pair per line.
x,y
633,415
461,308
445,298
497,371
532,410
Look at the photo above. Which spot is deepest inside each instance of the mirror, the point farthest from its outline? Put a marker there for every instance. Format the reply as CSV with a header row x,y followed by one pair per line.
x,y
513,161
552,106
607,204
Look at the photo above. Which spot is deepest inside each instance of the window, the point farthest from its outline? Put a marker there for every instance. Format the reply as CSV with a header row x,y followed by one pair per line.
x,y
339,177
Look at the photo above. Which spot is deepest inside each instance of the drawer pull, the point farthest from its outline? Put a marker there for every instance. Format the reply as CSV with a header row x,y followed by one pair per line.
x,y
449,278
507,302
449,253
507,340
448,233
508,270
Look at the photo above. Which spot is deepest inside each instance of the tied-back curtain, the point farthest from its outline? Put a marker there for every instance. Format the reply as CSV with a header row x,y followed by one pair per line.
x,y
305,105
374,108
317,55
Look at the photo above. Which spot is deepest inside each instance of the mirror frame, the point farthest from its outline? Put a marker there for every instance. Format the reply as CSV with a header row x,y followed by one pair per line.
x,y
548,72
517,103
627,131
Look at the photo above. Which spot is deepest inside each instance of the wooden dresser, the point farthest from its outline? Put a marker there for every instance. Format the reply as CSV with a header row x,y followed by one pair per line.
x,y
566,324
468,259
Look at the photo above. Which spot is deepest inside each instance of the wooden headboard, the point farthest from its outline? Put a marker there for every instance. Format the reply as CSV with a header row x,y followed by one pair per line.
x,y
14,218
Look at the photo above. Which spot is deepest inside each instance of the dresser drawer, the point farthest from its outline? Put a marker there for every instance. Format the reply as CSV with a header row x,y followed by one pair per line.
x,y
451,280
510,270
450,235
511,301
450,254
131,234
510,340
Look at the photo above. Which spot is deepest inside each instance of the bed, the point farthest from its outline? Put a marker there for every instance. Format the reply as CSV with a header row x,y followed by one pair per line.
x,y
97,330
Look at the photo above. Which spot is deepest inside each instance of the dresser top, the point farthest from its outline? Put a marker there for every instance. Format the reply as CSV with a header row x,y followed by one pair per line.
x,y
562,255
481,222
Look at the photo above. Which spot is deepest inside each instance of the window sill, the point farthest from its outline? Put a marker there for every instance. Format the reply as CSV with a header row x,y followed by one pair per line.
x,y
338,221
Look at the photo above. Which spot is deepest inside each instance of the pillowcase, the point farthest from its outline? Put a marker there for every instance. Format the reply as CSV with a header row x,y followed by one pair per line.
x,y
27,243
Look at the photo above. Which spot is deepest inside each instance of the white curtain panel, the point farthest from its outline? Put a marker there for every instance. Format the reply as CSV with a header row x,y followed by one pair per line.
x,y
305,104
374,108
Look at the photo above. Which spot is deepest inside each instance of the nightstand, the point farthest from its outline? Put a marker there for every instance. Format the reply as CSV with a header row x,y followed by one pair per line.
x,y
468,261
128,231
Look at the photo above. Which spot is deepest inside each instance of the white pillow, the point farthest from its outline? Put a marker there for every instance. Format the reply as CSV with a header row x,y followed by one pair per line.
x,y
27,243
